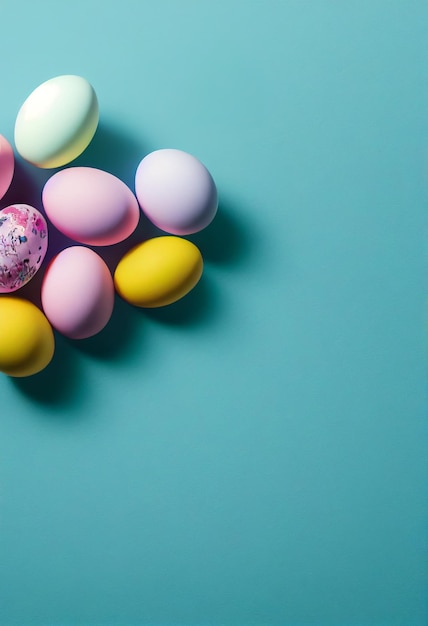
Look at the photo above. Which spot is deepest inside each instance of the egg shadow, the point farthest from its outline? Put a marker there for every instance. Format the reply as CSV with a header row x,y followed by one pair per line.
x,y
117,340
112,254
227,240
58,383
199,308
26,186
114,151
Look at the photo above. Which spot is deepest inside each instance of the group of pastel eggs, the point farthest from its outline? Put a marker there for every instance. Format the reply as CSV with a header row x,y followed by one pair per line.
x,y
93,208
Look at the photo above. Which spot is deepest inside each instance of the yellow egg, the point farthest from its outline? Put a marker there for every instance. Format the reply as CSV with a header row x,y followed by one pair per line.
x,y
158,271
27,341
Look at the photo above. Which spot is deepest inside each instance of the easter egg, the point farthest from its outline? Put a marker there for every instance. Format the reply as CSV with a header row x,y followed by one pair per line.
x,y
23,245
158,271
176,191
57,121
7,165
77,293
27,341
90,206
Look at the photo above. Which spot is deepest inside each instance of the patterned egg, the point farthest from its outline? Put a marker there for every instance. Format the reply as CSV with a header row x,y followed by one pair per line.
x,y
7,165
78,293
158,271
23,245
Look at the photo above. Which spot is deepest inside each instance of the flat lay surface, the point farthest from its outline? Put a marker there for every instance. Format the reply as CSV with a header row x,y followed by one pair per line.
x,y
256,453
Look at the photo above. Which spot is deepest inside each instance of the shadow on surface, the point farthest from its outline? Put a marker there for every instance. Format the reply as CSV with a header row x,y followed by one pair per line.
x,y
58,383
117,339
113,151
196,309
226,241
27,184
112,254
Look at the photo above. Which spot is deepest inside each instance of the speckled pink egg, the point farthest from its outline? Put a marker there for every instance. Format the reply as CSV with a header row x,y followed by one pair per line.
x,y
78,293
23,245
7,165
90,206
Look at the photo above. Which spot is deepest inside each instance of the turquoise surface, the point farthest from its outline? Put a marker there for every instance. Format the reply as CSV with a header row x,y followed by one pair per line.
x,y
256,454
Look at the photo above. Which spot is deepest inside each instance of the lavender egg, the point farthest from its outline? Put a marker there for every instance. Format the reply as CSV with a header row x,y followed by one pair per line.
x,y
23,245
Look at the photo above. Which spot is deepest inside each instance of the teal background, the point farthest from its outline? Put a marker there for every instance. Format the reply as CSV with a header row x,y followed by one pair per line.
x,y
257,453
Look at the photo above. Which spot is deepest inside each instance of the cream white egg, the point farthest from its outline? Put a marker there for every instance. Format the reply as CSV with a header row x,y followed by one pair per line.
x,y
57,121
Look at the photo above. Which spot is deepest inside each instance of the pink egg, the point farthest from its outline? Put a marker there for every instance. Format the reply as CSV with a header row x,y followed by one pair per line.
x,y
7,165
78,293
23,245
90,206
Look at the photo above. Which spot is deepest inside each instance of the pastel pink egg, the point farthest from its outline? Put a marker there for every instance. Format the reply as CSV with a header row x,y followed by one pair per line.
x,y
90,206
78,293
7,165
23,245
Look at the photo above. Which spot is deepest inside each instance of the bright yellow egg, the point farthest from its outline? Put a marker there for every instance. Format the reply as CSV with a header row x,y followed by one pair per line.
x,y
158,271
27,341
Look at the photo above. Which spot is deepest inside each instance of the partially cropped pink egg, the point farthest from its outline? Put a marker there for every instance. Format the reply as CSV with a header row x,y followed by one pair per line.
x,y
90,206
7,165
23,245
78,293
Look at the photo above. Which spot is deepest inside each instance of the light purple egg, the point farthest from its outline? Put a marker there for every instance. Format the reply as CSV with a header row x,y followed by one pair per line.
x,y
176,191
23,245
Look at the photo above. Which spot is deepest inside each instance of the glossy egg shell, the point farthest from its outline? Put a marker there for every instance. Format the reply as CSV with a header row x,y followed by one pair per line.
x,y
57,121
77,293
23,245
90,205
27,341
176,191
7,165
158,271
